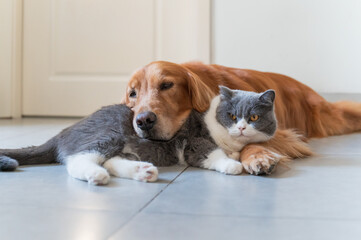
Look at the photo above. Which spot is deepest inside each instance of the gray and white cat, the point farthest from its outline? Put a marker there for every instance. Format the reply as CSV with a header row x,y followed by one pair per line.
x,y
237,118
105,142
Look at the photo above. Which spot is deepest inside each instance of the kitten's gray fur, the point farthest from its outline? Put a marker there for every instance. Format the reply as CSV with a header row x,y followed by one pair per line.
x,y
106,131
109,132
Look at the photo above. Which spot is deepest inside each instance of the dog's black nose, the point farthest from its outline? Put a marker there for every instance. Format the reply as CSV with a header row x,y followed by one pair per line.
x,y
146,120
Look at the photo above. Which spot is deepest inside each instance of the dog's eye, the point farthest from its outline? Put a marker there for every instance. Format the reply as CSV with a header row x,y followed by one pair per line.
x,y
133,94
166,85
233,117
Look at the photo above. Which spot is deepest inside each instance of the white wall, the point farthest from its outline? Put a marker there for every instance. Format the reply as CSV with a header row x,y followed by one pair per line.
x,y
318,42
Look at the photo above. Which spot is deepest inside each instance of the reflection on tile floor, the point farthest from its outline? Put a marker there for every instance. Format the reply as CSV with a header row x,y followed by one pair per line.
x,y
315,198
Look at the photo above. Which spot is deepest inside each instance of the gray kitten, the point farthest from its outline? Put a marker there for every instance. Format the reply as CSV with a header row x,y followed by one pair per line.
x,y
105,142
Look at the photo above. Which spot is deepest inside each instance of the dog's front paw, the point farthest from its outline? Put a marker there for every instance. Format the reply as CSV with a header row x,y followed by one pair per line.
x,y
263,162
98,177
229,166
146,172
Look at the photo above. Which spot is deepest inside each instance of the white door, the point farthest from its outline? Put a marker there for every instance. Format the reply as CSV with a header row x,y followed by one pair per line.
x,y
78,54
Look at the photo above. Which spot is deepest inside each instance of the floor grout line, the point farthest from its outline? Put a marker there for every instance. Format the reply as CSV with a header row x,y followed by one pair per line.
x,y
162,190
147,204
259,217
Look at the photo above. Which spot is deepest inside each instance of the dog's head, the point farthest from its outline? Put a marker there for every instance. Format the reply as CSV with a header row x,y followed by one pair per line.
x,y
162,95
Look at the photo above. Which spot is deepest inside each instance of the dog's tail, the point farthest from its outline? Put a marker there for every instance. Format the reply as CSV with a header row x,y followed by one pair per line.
x,y
10,159
335,118
351,115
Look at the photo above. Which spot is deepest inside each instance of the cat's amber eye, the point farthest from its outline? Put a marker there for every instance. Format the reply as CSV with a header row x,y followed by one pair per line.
x,y
233,117
254,117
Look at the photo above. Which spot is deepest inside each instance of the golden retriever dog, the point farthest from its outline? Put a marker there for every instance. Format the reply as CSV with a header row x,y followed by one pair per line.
x,y
162,94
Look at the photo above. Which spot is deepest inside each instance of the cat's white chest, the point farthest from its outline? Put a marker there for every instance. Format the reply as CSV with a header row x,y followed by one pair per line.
x,y
222,139
219,134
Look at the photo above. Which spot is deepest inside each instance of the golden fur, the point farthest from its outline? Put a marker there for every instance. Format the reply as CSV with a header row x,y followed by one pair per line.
x,y
297,106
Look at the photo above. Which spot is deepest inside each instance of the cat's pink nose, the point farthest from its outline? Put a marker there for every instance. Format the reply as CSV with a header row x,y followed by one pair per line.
x,y
242,128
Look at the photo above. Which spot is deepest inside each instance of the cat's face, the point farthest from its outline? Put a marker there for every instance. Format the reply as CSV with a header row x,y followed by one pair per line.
x,y
248,116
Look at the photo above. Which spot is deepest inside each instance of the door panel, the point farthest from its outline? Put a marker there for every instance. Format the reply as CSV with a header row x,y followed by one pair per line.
x,y
101,37
79,54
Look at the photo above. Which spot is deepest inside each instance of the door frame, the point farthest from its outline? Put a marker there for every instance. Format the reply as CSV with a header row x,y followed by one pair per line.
x,y
168,21
11,62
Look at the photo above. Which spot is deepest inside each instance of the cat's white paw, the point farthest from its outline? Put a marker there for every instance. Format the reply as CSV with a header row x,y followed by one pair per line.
x,y
146,172
261,163
98,177
232,167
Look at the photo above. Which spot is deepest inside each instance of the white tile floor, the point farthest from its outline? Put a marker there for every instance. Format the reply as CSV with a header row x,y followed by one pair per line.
x,y
316,198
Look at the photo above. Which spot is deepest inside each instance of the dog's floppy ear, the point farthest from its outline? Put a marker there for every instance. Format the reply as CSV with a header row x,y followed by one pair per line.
x,y
201,95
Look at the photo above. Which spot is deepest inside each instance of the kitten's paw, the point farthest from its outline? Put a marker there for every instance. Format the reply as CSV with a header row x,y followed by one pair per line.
x,y
263,162
98,177
146,172
231,167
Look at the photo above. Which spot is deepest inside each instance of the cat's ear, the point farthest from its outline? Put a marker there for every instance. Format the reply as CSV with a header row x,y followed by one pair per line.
x,y
268,96
225,92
